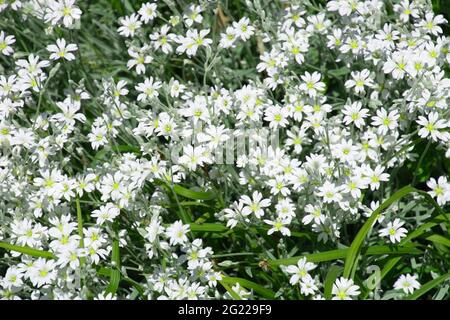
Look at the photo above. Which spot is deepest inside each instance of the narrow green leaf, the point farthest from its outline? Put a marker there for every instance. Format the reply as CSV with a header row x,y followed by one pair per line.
x,y
80,228
425,227
115,273
208,227
342,253
266,293
388,266
427,287
312,257
353,252
439,239
27,250
102,271
195,195
331,277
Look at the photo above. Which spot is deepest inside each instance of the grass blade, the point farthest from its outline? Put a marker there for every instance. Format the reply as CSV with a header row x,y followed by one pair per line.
x,y
439,239
342,253
27,250
115,273
208,227
195,195
355,248
266,293
425,227
331,277
80,228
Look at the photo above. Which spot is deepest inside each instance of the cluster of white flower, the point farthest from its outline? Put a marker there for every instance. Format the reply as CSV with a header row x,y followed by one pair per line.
x,y
346,88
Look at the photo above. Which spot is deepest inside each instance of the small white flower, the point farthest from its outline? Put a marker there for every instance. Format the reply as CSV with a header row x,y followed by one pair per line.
x,y
106,213
148,12
344,289
5,44
62,51
394,231
177,233
408,283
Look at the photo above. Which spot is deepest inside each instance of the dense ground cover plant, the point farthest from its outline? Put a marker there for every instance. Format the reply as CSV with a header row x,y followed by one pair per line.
x,y
229,150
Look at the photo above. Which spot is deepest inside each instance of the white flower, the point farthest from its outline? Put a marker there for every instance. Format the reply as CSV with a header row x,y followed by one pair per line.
x,y
65,10
177,233
375,176
12,278
439,190
139,58
149,89
408,283
243,29
278,226
176,89
308,286
277,116
344,289
431,23
385,121
193,157
255,205
193,15
162,39
329,192
354,114
105,296
129,25
344,7
312,84
43,272
97,137
300,271
406,9
394,231
431,126
5,42
106,213
314,213
193,41
360,80
397,65
61,51
228,38
148,12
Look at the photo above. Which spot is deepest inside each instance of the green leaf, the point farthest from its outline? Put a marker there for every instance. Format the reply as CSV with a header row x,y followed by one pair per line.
x,y
80,228
102,271
342,253
353,252
196,195
388,266
115,273
208,227
264,292
422,229
439,239
331,277
427,287
27,250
